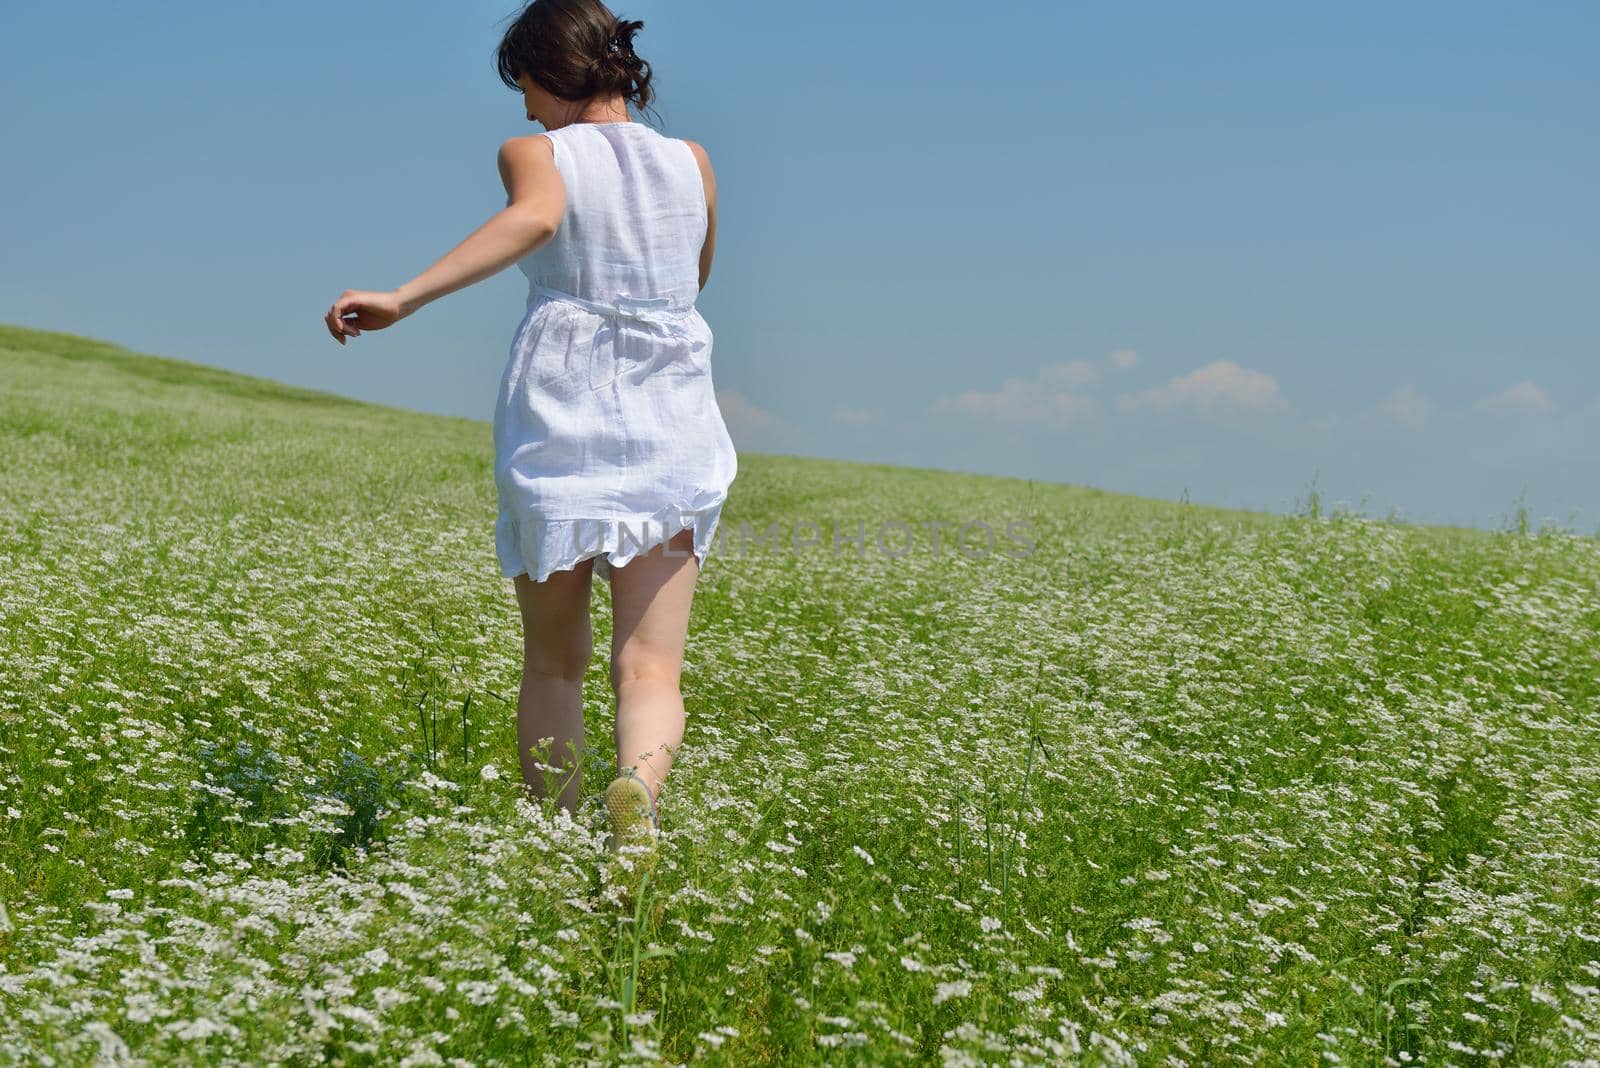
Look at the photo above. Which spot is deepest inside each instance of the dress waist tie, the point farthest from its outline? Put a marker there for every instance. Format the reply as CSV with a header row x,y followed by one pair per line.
x,y
624,307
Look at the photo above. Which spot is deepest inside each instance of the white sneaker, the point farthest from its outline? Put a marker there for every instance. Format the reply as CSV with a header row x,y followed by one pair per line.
x,y
631,809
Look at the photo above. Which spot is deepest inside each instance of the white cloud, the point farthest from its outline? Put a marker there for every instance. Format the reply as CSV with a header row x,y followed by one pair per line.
x,y
1406,406
1053,394
1218,386
1074,374
1525,398
744,418
1122,359
1017,401
854,416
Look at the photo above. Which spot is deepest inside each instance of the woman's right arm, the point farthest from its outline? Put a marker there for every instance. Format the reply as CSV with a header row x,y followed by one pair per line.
x,y
709,249
535,203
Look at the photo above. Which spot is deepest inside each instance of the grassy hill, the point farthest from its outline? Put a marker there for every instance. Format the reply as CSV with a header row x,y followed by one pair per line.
x,y
1179,786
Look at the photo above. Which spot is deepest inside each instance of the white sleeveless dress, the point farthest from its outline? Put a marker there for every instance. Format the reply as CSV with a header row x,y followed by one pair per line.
x,y
607,435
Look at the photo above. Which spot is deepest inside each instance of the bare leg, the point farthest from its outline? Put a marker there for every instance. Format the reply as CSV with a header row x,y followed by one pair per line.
x,y
650,599
557,643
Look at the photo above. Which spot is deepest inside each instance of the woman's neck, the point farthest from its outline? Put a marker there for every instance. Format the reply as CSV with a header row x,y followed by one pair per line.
x,y
614,110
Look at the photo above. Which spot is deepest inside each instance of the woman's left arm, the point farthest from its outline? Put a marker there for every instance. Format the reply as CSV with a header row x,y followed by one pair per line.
x,y
535,203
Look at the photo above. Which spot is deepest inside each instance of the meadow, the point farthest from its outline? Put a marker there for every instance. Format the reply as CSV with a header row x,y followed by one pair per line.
x,y
1178,786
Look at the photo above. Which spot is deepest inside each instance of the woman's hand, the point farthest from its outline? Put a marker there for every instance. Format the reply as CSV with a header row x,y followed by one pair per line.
x,y
357,310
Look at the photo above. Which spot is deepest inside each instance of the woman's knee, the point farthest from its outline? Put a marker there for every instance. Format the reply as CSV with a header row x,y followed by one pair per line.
x,y
631,667
563,658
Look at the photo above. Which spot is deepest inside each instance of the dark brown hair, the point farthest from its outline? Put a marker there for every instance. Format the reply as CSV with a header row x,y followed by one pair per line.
x,y
575,49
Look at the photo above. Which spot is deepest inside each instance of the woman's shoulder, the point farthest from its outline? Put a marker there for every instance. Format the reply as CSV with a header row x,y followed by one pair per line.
x,y
527,146
703,159
699,151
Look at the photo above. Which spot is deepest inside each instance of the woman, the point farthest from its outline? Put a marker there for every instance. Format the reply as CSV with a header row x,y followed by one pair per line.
x,y
610,451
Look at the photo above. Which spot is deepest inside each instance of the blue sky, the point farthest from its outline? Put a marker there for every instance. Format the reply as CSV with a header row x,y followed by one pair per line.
x,y
1153,248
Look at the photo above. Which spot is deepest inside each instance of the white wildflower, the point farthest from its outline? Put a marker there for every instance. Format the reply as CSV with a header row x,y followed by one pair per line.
x,y
478,991
112,1048
387,997
846,1038
421,1056
332,806
358,1014
190,1030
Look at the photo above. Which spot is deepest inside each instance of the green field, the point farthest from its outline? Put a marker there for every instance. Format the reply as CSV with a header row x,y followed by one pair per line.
x,y
1182,786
